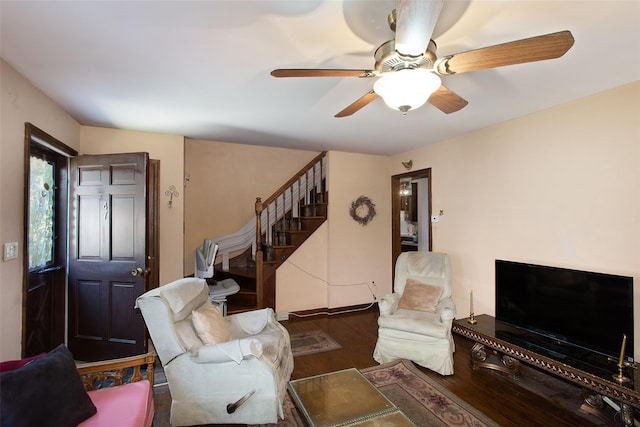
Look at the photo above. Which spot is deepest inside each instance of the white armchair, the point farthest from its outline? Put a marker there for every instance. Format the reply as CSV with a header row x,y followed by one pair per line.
x,y
251,356
415,320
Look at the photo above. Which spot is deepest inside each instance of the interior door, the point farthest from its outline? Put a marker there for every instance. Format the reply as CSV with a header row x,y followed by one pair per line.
x,y
107,257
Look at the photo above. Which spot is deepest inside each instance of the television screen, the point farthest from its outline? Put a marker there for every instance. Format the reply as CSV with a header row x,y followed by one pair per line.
x,y
580,308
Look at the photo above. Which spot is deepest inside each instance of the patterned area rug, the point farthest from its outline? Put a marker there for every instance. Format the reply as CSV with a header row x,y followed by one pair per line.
x,y
422,400
310,342
425,402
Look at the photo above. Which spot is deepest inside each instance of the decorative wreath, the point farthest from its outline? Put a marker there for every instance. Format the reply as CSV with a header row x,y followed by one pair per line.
x,y
362,210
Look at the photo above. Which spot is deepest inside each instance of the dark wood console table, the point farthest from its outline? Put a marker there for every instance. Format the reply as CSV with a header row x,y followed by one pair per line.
x,y
627,395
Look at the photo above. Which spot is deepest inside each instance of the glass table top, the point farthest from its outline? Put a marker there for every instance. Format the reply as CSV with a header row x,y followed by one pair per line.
x,y
344,398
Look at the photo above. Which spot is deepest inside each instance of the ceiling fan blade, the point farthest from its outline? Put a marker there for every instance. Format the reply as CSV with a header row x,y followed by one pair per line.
x,y
304,72
447,101
415,21
537,48
361,102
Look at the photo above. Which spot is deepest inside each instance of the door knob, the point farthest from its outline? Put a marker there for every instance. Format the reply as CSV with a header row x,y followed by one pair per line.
x,y
137,272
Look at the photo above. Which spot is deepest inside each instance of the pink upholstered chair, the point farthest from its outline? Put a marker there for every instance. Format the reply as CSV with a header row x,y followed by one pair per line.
x,y
50,389
128,404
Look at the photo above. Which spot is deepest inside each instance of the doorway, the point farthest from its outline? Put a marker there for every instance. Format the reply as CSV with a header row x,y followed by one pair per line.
x,y
96,322
411,213
45,241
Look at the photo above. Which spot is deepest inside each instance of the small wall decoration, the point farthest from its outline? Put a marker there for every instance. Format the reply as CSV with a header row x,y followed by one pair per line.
x,y
362,210
171,193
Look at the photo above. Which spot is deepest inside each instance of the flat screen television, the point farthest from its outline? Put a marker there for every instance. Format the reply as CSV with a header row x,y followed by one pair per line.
x,y
572,313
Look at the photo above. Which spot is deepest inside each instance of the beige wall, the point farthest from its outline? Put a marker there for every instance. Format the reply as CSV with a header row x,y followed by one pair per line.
x,y
20,102
358,255
169,149
301,282
337,267
224,181
560,187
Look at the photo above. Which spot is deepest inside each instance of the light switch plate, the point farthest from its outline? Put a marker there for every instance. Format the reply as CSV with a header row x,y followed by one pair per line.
x,y
10,251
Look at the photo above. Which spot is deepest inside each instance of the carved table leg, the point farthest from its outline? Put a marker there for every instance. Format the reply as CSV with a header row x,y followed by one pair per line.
x,y
480,359
626,411
595,405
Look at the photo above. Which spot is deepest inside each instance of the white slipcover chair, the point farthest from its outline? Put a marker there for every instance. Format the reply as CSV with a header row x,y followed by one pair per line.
x,y
422,337
204,379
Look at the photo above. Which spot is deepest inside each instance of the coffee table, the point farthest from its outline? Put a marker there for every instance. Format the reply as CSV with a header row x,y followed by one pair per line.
x,y
344,398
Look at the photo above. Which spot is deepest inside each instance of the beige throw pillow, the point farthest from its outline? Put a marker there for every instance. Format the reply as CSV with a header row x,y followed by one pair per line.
x,y
420,296
210,326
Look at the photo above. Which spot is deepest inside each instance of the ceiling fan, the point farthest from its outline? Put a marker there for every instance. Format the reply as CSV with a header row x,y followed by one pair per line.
x,y
409,70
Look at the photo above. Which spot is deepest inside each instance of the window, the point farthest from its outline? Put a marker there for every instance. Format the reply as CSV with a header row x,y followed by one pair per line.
x,y
41,211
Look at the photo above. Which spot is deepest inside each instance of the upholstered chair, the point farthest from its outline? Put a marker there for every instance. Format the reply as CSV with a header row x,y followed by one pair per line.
x,y
415,320
211,362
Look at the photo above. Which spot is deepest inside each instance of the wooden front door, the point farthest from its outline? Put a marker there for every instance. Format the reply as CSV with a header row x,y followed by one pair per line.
x,y
45,257
108,255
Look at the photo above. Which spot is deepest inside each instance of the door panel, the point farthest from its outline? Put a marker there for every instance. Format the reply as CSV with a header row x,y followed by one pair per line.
x,y
123,243
87,296
89,227
123,295
44,303
108,241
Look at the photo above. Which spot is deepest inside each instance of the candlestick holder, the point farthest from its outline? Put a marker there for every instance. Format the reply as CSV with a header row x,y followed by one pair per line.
x,y
472,319
619,377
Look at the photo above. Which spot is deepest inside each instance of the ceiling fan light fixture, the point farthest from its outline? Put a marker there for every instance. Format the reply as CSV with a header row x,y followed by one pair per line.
x,y
407,89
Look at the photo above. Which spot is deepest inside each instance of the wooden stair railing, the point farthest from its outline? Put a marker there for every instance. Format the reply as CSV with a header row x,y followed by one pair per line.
x,y
283,222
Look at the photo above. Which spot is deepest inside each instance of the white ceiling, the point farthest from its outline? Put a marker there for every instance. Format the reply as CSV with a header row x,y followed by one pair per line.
x,y
201,68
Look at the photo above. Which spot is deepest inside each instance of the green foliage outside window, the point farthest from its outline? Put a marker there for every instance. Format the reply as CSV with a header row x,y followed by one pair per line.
x,y
41,213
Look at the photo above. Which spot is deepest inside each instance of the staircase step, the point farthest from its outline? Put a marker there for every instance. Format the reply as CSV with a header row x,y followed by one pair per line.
x,y
242,301
235,272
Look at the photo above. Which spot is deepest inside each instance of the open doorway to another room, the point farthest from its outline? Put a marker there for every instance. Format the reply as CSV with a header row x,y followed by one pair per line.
x,y
411,212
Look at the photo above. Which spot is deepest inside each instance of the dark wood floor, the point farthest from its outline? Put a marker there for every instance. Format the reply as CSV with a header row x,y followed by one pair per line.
x,y
535,399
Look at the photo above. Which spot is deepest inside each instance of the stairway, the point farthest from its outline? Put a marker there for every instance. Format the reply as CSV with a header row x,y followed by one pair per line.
x,y
284,221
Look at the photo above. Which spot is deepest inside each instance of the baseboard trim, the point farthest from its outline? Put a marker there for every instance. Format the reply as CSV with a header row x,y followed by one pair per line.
x,y
325,311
